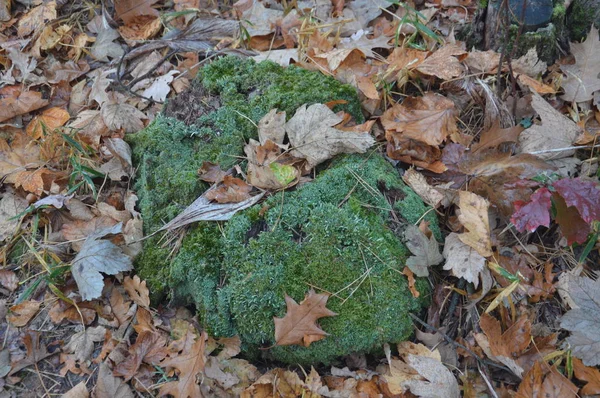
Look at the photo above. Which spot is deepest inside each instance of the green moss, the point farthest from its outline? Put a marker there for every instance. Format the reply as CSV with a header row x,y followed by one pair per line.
x,y
544,40
582,15
335,233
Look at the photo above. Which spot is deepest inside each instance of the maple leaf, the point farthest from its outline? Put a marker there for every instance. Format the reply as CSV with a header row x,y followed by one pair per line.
x,y
589,374
529,216
123,116
556,131
584,321
582,194
313,135
104,47
463,260
496,136
474,217
35,352
299,325
426,251
189,361
98,255
21,104
582,78
572,226
429,119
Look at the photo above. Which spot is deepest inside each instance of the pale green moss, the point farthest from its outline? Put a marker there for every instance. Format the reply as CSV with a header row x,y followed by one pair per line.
x,y
335,233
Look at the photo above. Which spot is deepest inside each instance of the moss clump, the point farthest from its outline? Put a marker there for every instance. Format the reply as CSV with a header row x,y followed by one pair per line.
x,y
583,14
335,233
544,40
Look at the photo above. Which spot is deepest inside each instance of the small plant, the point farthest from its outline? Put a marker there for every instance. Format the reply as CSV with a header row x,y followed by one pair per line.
x,y
415,19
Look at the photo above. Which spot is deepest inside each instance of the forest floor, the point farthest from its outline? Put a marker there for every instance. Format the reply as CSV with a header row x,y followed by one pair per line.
x,y
504,149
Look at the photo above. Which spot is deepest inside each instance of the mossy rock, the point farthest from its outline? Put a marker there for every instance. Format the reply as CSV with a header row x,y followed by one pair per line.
x,y
338,233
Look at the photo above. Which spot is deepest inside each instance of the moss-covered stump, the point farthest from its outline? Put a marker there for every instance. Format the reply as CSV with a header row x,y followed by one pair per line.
x,y
338,233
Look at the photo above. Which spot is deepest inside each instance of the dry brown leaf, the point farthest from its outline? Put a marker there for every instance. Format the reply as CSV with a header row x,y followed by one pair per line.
x,y
82,343
272,127
37,18
474,217
536,85
496,136
20,104
128,10
79,391
104,47
142,27
429,119
313,135
589,374
11,206
109,386
231,190
211,172
482,61
543,381
464,261
268,168
123,116
443,63
410,276
425,250
137,291
8,279
22,313
439,381
556,131
189,361
299,325
47,121
582,78
149,347
36,352
419,184
41,181
90,126
259,20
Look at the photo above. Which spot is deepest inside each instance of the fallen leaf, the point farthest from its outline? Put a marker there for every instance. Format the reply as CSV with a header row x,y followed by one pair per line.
x,y
496,136
211,172
37,18
11,206
582,77
556,132
231,190
8,279
536,85
90,127
142,27
572,226
98,255
464,261
419,184
46,122
189,361
21,104
426,251
104,47
160,88
20,314
137,291
410,276
583,321
429,119
82,343
443,63
529,216
590,375
79,391
109,386
543,381
439,381
35,352
128,10
474,217
149,347
258,20
583,194
264,168
123,116
299,325
313,135
272,127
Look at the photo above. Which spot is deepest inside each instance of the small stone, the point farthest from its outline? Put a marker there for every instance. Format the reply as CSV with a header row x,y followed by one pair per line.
x,y
538,13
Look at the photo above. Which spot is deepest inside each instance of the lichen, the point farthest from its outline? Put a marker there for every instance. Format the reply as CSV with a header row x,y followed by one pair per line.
x,y
334,234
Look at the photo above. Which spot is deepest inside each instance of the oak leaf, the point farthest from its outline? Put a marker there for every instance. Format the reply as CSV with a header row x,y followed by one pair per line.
x,y
299,325
231,190
582,78
543,381
137,290
426,251
149,347
429,119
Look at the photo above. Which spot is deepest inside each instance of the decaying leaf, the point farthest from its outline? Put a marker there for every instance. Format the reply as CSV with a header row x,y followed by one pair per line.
x,y
137,290
464,261
545,381
20,314
47,121
20,104
428,119
111,386
82,343
529,216
426,251
11,206
189,361
439,381
496,136
104,47
149,347
231,190
443,62
419,184
589,374
98,255
582,78
584,321
313,135
123,116
474,217
299,325
556,132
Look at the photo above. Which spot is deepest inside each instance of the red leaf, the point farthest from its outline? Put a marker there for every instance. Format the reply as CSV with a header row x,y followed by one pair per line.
x,y
581,194
573,227
528,216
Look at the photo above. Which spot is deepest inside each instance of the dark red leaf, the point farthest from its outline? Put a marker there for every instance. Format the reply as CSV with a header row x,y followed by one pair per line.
x,y
530,215
573,227
582,194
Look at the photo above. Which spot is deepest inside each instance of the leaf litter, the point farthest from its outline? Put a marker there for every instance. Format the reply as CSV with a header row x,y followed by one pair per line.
x,y
512,224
